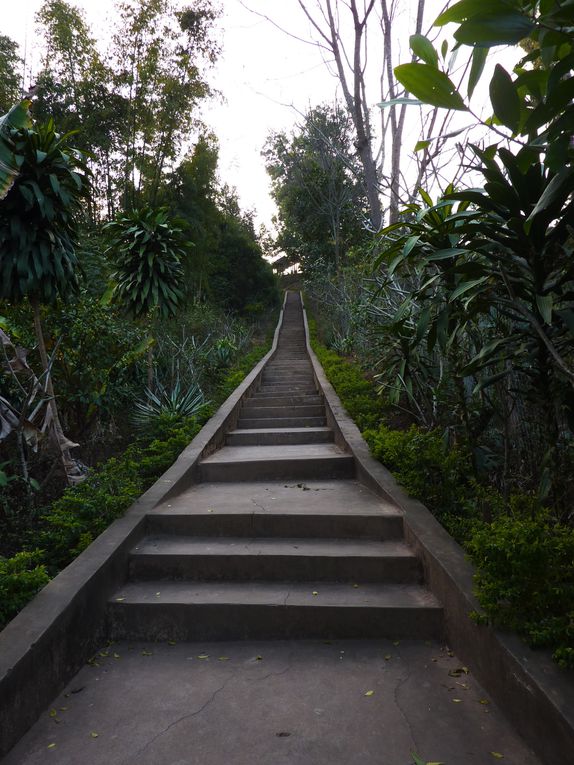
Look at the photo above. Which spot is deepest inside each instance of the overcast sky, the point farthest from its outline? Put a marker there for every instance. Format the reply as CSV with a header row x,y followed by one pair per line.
x,y
267,78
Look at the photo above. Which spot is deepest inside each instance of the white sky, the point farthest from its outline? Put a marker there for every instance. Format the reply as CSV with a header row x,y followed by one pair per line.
x,y
266,77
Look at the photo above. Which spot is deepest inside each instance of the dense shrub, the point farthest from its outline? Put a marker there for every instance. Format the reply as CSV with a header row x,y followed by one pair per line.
x,y
356,392
525,579
422,464
20,579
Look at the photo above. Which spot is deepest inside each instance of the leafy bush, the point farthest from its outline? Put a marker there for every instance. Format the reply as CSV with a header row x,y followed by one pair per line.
x,y
423,464
20,579
525,579
357,394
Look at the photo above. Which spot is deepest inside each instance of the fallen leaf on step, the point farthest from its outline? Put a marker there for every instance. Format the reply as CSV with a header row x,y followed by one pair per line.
x,y
223,658
458,672
457,701
355,586
93,734
370,693
203,656
51,746
116,656
497,755
147,653
119,600
484,701
259,658
171,642
388,657
396,642
53,712
315,592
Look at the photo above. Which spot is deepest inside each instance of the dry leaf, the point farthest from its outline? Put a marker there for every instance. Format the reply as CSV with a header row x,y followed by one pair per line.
x,y
147,653
223,658
370,693
203,656
119,600
396,642
388,657
315,592
484,701
259,658
51,746
457,701
93,734
497,755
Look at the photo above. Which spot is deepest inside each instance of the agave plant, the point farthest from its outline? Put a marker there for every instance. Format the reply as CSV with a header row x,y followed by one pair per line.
x,y
167,406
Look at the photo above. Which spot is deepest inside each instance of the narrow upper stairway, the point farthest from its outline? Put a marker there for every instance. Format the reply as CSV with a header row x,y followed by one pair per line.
x,y
278,540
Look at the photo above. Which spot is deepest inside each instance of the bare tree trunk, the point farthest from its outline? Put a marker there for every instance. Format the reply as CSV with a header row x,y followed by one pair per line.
x,y
73,474
397,126
354,94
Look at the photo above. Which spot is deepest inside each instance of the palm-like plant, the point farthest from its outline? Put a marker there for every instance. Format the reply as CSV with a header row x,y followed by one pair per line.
x,y
147,249
43,181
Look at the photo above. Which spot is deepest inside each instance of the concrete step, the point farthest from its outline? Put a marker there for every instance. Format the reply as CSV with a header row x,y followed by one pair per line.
x,y
268,610
381,527
287,390
267,463
266,399
252,411
276,436
273,559
281,422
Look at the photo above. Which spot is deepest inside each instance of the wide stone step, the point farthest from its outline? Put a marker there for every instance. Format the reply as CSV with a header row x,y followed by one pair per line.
x,y
277,436
273,559
284,389
267,610
253,412
378,527
281,422
267,463
265,399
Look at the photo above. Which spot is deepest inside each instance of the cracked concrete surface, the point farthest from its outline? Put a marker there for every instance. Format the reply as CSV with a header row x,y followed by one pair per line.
x,y
272,703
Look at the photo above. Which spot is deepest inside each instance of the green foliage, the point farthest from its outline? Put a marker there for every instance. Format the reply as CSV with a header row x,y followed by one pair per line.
x,y
20,579
147,249
314,183
10,77
355,391
38,217
423,464
525,579
167,407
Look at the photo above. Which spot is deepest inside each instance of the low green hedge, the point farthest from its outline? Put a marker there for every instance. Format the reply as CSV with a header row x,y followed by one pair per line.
x,y
524,559
73,521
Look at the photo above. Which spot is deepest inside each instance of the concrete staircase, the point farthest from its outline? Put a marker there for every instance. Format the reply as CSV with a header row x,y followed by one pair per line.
x,y
277,540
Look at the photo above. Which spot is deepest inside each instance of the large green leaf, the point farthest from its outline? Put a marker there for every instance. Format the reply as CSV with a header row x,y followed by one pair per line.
x,y
505,99
422,47
466,9
558,189
430,85
479,56
490,29
17,118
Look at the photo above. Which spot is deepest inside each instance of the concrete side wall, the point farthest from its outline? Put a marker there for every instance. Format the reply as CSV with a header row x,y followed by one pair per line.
x,y
536,696
44,646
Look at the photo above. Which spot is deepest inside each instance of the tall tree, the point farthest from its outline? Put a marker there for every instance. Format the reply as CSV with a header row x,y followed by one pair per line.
x,y
158,51
321,204
10,77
